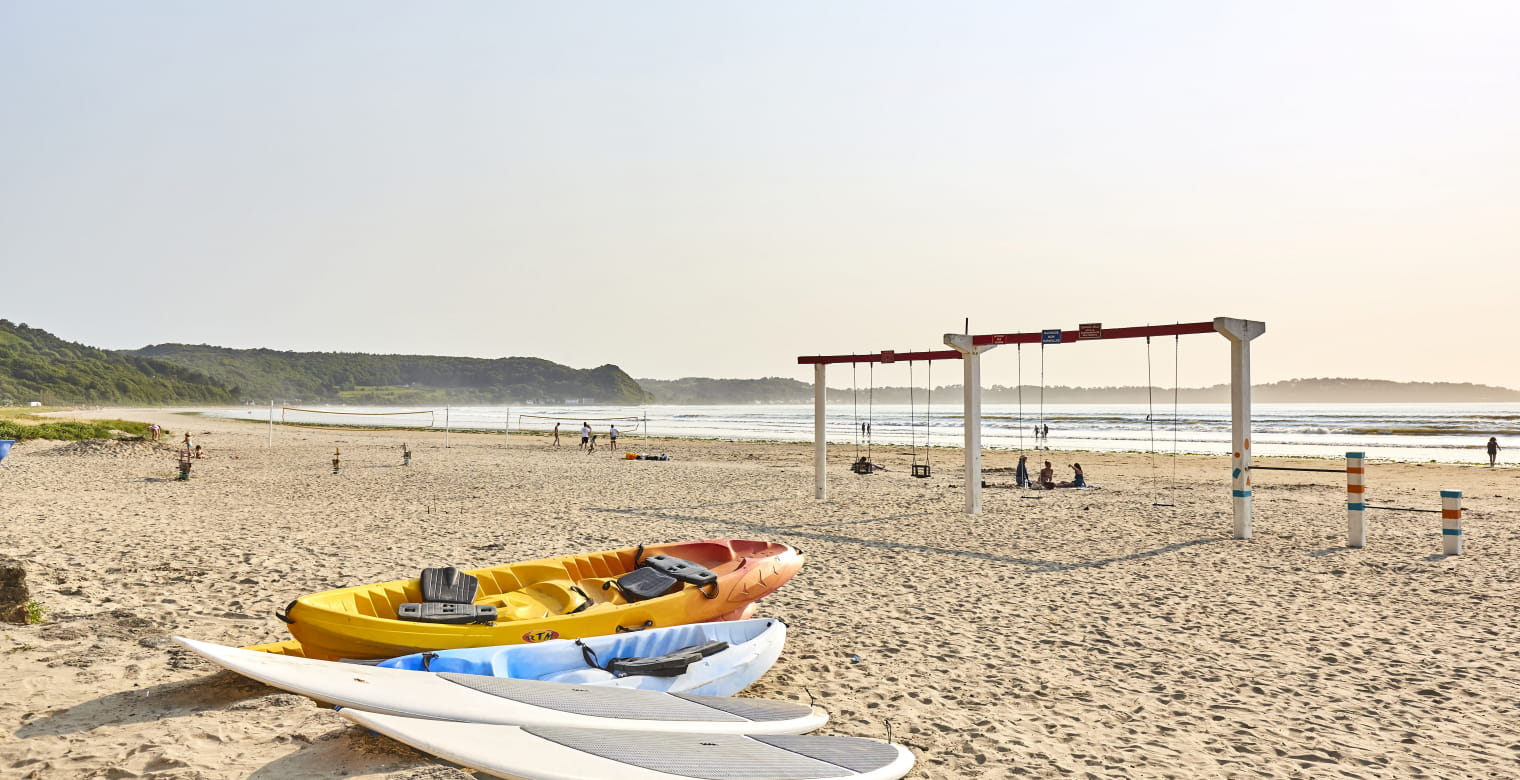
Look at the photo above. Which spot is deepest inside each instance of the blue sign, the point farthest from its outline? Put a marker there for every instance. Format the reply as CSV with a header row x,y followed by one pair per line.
x,y
1050,336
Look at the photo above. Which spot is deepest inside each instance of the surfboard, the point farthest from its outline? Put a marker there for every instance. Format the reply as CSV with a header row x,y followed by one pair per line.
x,y
716,659
476,698
557,753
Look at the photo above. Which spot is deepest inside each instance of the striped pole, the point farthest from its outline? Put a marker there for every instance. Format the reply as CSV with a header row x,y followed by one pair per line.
x,y
1356,499
1451,521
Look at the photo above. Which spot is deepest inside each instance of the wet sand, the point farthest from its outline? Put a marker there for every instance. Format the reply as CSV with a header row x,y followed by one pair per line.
x,y
1068,633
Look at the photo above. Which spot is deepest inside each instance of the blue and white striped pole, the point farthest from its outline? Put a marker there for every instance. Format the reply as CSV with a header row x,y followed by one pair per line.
x,y
1451,521
1356,499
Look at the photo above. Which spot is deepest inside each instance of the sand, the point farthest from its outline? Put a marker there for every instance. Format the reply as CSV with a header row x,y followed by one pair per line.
x,y
1083,634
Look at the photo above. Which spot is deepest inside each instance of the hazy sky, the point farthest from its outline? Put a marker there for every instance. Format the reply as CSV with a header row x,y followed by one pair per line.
x,y
713,188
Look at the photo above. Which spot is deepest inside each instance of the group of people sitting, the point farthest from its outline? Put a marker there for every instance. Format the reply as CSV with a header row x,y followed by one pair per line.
x,y
1046,480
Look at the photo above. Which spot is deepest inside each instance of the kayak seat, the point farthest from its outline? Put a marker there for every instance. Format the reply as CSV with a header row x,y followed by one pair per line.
x,y
448,585
681,569
668,665
448,597
645,583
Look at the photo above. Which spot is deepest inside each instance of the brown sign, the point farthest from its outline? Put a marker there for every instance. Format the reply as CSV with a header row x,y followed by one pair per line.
x,y
1090,330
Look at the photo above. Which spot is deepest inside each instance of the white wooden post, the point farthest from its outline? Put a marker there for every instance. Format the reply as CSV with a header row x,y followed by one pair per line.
x,y
445,427
271,424
1451,522
971,360
820,433
1240,333
1356,499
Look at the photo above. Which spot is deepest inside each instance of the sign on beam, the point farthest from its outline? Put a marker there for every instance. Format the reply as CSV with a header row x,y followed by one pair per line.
x,y
1090,330
1052,336
889,356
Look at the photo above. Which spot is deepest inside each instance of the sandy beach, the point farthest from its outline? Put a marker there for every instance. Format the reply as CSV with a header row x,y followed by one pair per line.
x,y
1086,634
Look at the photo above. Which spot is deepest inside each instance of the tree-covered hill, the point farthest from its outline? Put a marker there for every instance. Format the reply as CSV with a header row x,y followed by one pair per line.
x,y
37,366
361,378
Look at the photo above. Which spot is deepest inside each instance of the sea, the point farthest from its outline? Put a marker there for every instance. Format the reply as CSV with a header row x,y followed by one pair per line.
x,y
1430,432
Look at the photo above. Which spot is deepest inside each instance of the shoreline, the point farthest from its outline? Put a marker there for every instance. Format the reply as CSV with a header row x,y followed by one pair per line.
x,y
1060,633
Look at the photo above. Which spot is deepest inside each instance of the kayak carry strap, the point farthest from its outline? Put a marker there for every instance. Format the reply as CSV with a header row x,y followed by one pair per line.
x,y
285,616
427,661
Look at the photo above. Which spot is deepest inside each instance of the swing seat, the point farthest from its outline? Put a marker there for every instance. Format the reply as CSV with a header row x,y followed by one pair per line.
x,y
863,467
921,470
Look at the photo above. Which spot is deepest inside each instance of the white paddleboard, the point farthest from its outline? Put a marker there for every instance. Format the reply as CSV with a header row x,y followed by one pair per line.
x,y
479,699
555,753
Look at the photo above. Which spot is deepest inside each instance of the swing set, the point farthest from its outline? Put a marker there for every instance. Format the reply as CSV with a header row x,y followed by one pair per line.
x,y
864,430
968,348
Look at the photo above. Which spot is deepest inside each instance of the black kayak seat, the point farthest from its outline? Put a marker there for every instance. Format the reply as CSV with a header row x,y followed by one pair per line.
x,y
448,585
448,597
453,614
681,569
668,665
645,583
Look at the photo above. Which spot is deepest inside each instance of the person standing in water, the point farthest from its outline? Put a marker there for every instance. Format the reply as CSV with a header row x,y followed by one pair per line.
x,y
1493,450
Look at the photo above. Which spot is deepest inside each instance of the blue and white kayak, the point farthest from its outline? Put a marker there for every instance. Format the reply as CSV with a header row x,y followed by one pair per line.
x,y
713,659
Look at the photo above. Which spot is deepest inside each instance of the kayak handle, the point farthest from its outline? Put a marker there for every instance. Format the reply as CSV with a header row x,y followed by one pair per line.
x,y
285,616
714,593
627,630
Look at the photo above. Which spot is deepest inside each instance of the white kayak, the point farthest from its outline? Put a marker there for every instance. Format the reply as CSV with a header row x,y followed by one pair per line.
x,y
478,699
554,753
715,659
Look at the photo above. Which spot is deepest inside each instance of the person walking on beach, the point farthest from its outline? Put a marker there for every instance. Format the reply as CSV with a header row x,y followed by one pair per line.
x,y
556,434
1021,476
585,435
612,433
1493,450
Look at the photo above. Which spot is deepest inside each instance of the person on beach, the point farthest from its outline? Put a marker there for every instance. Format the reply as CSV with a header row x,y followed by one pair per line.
x,y
590,448
1047,477
612,433
556,434
186,443
1077,480
153,431
585,434
1045,434
197,452
1021,475
1493,450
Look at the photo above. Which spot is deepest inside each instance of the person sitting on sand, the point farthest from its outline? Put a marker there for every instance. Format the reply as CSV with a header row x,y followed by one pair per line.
x,y
1077,480
197,452
1021,476
1047,480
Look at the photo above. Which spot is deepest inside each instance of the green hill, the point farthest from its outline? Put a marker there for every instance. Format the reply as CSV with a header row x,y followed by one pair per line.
x,y
37,366
361,378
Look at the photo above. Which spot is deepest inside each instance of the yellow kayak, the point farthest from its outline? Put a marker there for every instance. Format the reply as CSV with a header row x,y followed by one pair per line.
x,y
567,597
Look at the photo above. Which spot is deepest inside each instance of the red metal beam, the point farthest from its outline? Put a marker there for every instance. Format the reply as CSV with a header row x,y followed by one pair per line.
x,y
1068,336
880,357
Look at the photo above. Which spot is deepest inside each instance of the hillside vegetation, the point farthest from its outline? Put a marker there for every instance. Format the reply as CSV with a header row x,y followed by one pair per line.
x,y
37,366
398,380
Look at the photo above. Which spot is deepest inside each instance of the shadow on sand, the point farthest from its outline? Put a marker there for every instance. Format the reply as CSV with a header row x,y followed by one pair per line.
x,y
140,705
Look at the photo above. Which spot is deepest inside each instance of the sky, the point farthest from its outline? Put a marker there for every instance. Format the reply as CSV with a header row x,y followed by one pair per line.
x,y
708,188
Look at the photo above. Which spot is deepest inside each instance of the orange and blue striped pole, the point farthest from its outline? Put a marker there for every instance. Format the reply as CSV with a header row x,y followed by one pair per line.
x,y
1356,499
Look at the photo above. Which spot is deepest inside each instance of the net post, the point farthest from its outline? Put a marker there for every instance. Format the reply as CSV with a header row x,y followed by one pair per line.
x,y
445,427
1451,522
1356,499
271,424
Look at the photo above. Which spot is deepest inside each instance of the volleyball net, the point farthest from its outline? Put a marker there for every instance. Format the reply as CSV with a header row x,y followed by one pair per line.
x,y
571,426
329,420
